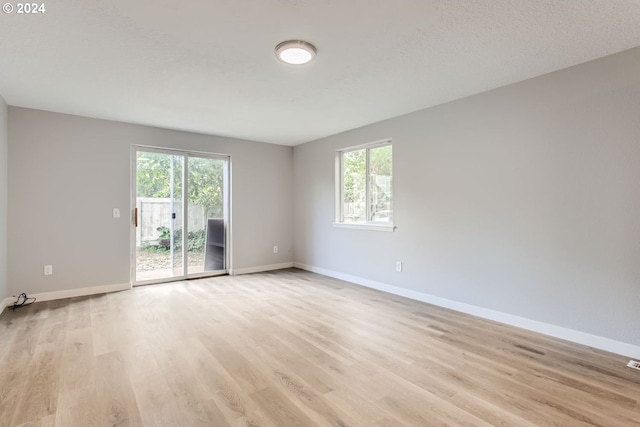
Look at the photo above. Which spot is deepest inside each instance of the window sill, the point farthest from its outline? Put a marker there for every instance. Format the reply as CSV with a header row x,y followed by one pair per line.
x,y
362,226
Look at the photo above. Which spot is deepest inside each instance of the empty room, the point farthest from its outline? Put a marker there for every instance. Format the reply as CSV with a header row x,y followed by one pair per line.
x,y
320,213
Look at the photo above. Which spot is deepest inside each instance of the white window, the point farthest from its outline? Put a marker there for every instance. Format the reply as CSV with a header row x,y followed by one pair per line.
x,y
364,186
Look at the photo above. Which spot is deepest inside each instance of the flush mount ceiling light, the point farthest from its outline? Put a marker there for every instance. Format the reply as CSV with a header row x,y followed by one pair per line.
x,y
295,52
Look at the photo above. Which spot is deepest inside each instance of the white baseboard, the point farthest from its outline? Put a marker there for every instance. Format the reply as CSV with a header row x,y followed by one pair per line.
x,y
248,270
6,303
80,292
572,335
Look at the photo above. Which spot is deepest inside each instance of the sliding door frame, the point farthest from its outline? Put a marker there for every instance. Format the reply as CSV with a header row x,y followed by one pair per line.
x,y
226,203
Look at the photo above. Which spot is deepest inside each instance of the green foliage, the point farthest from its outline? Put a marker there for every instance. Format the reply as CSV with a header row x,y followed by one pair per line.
x,y
355,169
380,162
153,179
195,240
206,184
153,175
355,182
165,232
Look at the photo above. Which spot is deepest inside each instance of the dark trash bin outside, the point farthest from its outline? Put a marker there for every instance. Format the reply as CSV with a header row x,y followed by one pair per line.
x,y
214,256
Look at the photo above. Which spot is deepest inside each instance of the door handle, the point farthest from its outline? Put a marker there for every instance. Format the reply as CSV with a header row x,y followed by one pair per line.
x,y
135,217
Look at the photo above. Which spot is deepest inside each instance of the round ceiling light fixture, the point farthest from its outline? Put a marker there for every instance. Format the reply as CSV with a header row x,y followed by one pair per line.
x,y
296,52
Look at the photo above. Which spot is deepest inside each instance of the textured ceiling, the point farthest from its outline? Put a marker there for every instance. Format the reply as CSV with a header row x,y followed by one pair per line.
x,y
208,65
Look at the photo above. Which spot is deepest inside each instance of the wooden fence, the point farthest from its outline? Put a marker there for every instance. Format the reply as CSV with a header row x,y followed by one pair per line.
x,y
155,212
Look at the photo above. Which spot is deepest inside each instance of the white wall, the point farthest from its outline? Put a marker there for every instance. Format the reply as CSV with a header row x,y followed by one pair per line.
x,y
524,200
3,201
68,172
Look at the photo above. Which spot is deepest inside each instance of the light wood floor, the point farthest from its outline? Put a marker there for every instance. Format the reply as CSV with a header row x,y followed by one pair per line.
x,y
292,348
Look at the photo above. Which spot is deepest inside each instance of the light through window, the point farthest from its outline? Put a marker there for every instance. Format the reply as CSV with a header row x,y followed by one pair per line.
x,y
365,185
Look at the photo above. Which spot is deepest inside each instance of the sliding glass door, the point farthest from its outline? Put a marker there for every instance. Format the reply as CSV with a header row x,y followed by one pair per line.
x,y
180,225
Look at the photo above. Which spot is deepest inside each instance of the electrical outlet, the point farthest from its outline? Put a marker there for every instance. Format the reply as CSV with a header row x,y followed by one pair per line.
x,y
48,270
399,266
275,249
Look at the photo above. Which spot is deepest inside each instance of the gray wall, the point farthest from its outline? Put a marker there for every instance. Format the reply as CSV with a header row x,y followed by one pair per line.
x,y
524,200
3,199
67,173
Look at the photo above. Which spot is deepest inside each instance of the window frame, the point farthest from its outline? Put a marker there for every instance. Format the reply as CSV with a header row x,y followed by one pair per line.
x,y
339,189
